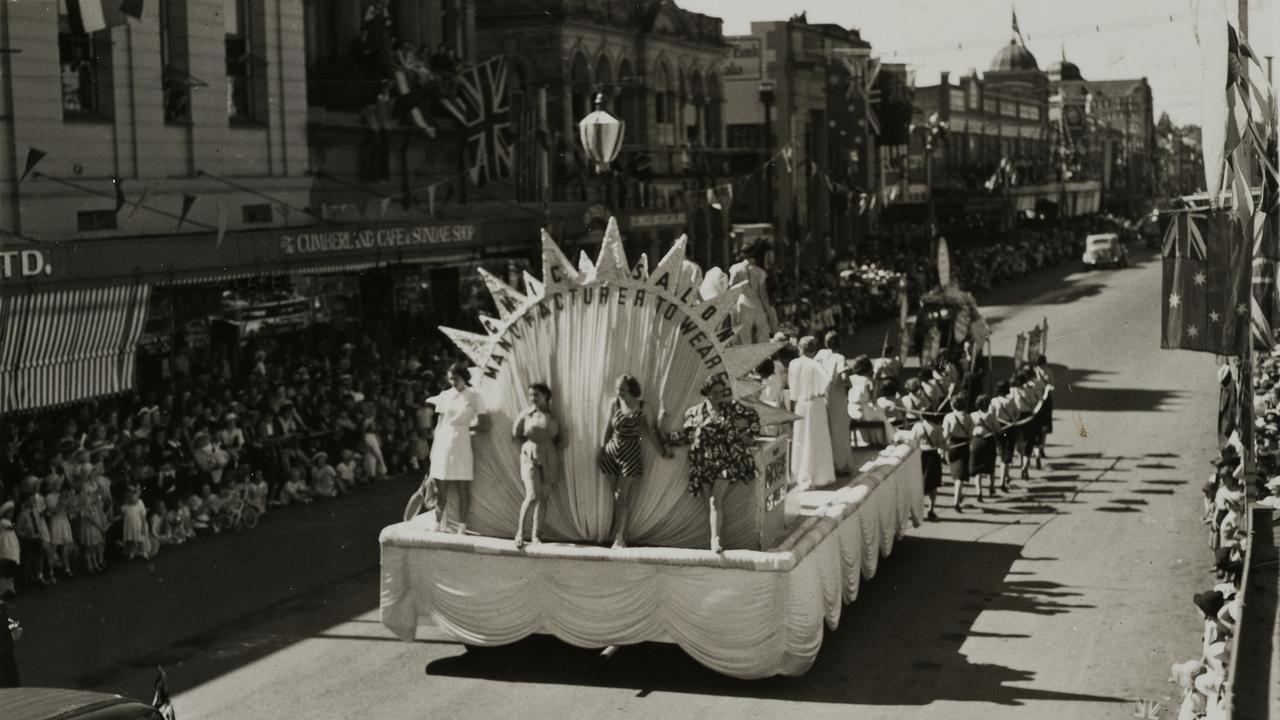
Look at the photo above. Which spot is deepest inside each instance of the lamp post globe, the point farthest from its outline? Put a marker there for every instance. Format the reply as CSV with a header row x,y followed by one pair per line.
x,y
601,135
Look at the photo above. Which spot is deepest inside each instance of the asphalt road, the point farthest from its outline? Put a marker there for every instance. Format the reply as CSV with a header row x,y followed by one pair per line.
x,y
1067,599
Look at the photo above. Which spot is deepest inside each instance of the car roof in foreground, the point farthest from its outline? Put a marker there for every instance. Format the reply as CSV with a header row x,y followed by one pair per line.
x,y
55,703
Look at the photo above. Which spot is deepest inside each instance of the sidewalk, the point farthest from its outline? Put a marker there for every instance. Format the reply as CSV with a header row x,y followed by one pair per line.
x,y
90,625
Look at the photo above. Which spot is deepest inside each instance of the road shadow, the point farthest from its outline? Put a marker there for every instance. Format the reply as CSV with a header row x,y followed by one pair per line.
x,y
1081,390
886,651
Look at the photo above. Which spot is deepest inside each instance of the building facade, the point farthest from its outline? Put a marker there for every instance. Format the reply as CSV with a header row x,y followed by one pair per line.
x,y
659,69
799,96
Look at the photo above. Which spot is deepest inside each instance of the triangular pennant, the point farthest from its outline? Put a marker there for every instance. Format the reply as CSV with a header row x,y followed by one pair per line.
x,y
507,298
475,347
533,287
667,273
611,264
746,388
490,323
742,359
222,224
586,268
187,202
146,190
34,157
770,415
556,268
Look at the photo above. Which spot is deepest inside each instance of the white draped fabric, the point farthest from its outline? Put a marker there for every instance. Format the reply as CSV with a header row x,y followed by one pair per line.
x,y
812,463
744,613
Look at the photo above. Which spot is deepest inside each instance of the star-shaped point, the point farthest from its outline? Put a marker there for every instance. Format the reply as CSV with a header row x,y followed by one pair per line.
x,y
1242,309
1193,331
1214,316
1174,300
1199,279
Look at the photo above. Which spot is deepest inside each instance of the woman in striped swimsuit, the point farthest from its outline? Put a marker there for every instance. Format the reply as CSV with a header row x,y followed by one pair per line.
x,y
620,457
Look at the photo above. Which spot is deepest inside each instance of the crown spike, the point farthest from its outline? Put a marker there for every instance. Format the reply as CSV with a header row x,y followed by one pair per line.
x,y
475,347
611,264
507,298
533,287
667,272
742,359
556,268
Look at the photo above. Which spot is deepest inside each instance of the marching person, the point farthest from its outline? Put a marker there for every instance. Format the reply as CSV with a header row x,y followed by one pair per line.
x,y
1024,407
619,457
982,447
928,437
720,432
1045,416
459,411
839,401
1005,414
812,464
957,428
538,433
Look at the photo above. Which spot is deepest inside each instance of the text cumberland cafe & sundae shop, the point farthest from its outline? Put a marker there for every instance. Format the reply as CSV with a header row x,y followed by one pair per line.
x,y
72,313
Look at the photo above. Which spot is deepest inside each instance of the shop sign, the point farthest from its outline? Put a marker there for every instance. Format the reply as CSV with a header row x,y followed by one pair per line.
x,y
644,221
745,54
23,264
329,241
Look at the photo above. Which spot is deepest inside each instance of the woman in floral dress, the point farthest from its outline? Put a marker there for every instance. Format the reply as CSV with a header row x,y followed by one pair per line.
x,y
720,433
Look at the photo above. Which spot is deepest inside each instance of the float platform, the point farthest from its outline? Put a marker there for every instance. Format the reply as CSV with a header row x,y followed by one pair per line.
x,y
743,613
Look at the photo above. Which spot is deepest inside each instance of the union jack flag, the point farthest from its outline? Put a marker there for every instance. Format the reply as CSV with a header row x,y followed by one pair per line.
x,y
1185,236
482,109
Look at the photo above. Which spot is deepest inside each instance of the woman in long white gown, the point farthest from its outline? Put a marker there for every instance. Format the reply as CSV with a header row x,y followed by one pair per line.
x,y
458,411
811,462
835,365
754,314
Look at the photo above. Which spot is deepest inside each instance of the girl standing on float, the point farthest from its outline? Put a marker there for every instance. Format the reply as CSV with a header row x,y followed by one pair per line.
x,y
458,411
538,431
838,401
755,314
620,456
721,433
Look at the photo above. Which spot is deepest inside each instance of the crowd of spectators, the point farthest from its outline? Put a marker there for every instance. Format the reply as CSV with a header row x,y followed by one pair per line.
x,y
849,294
1203,680
211,446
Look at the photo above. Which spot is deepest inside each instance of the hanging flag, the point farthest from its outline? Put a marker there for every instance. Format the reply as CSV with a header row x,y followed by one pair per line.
x,y
944,263
786,156
383,205
146,190
712,200
1017,32
222,224
187,202
1265,307
1205,293
904,308
481,107
34,157
120,201
431,200
89,16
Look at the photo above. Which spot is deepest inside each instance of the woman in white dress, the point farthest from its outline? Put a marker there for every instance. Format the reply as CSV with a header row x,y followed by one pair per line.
x,y
754,313
458,411
838,415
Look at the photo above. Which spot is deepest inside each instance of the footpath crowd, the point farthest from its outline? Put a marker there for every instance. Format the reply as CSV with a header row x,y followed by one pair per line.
x,y
1225,512
211,447
849,294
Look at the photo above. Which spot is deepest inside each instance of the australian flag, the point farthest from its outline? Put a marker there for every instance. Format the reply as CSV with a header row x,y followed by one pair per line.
x,y
1205,299
482,110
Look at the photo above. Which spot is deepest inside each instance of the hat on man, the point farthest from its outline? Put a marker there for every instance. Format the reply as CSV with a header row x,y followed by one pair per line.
x,y
320,456
1209,602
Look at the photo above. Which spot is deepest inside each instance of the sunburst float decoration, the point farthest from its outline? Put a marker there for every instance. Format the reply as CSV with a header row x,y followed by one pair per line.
x,y
577,329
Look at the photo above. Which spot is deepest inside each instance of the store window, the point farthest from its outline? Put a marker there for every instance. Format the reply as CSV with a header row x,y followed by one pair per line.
x,y
246,67
85,62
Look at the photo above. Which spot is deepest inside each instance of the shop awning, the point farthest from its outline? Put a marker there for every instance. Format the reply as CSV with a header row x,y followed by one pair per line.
x,y
63,346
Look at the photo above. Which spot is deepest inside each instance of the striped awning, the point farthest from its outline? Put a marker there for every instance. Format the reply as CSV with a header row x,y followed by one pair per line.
x,y
62,346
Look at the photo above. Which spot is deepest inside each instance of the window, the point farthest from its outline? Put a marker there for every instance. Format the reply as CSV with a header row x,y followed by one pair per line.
x,y
96,220
246,76
175,82
85,61
260,213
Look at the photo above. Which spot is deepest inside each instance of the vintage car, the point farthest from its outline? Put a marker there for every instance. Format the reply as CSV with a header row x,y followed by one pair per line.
x,y
58,704
1105,249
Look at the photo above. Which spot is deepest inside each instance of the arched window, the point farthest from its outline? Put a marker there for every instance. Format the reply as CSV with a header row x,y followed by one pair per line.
x,y
662,105
604,76
694,107
628,102
580,88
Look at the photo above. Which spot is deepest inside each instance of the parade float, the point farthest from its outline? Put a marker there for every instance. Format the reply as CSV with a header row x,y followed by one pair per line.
x,y
947,317
793,557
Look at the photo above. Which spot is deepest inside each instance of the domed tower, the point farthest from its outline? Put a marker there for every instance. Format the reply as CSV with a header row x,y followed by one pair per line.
x,y
1064,69
1014,71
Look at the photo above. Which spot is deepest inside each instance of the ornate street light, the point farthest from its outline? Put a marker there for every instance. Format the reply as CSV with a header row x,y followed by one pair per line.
x,y
601,135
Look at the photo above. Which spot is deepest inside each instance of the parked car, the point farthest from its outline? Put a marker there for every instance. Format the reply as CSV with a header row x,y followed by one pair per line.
x,y
1105,249
54,703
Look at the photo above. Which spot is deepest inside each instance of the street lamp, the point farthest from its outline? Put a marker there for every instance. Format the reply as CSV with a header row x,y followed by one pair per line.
x,y
601,135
